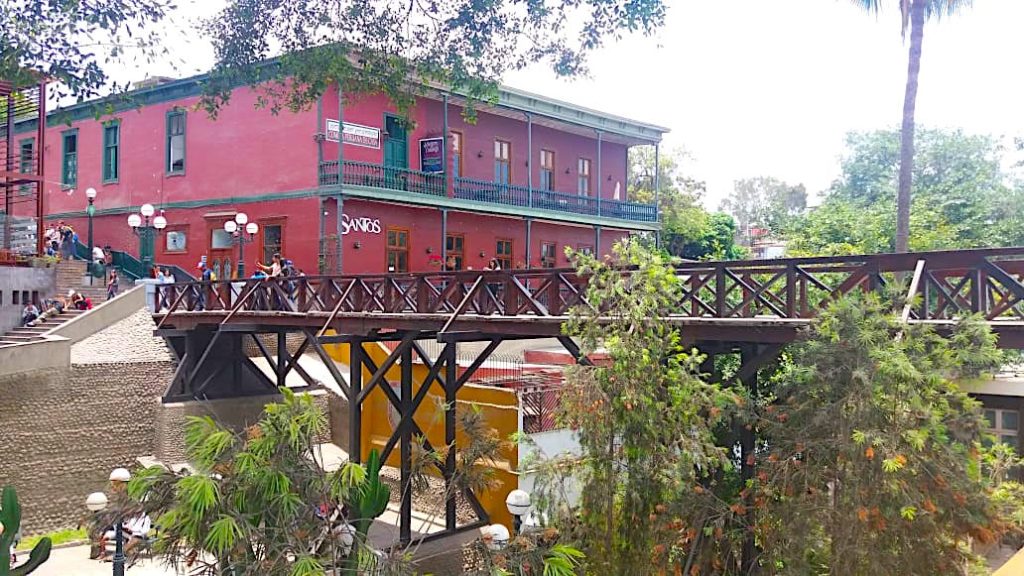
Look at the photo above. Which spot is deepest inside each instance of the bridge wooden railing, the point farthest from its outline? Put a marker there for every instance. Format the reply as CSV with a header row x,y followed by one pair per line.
x,y
950,284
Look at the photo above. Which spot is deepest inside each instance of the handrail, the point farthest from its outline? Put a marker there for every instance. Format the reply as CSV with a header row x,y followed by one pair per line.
x,y
435,184
492,192
131,267
381,176
949,285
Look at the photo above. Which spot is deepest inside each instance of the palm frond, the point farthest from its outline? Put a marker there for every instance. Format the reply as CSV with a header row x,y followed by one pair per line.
x,y
940,8
869,5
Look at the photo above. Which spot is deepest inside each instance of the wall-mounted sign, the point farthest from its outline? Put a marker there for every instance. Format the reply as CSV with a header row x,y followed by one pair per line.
x,y
432,155
354,134
363,224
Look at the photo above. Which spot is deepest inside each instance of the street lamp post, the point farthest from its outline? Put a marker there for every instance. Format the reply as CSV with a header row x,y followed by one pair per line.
x,y
97,501
90,194
146,233
238,228
518,504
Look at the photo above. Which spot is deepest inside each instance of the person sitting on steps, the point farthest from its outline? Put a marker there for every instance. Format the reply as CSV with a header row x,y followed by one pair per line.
x,y
79,302
29,314
134,530
53,308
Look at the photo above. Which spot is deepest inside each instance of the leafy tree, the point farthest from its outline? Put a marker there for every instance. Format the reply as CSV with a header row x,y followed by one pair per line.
x,y
688,230
394,48
765,202
841,227
259,504
683,218
913,13
961,197
60,39
960,174
716,241
523,555
644,420
872,463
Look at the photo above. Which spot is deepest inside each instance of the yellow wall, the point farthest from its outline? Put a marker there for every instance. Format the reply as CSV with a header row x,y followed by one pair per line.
x,y
1014,567
500,408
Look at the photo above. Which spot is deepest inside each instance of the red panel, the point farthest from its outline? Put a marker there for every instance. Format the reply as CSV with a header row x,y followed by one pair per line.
x,y
246,151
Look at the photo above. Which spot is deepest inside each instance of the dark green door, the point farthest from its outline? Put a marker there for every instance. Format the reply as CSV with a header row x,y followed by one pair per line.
x,y
396,152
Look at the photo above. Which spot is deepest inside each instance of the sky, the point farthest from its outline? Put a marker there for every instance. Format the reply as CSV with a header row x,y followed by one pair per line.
x,y
770,88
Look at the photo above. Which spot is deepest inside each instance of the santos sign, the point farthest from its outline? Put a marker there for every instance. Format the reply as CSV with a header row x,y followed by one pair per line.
x,y
367,225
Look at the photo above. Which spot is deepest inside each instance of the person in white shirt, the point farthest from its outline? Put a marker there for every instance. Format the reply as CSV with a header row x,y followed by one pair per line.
x,y
97,254
134,530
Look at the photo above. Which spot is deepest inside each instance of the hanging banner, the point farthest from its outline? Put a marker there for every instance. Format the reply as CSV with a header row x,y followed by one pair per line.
x,y
432,155
354,134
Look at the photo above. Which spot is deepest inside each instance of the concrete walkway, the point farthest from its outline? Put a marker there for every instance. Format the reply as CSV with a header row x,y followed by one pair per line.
x,y
74,561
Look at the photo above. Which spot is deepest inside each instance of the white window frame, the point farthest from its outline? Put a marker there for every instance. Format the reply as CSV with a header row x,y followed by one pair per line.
x,y
999,431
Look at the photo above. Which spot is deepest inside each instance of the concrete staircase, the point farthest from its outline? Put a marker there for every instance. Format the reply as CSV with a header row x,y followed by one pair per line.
x,y
35,333
70,274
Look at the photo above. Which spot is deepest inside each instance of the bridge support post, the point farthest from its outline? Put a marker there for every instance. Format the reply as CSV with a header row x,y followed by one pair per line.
x,y
406,401
355,421
450,391
748,378
407,411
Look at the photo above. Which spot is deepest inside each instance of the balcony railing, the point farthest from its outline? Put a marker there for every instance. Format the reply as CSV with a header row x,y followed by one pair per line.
x,y
492,192
377,176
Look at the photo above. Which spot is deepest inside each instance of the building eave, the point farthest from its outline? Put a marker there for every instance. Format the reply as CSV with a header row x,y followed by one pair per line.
x,y
629,131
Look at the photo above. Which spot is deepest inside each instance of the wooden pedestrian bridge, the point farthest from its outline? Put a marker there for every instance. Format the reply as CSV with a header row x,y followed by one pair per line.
x,y
764,301
751,308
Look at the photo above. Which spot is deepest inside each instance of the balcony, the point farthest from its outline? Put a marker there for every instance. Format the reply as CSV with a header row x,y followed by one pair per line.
x,y
378,176
426,184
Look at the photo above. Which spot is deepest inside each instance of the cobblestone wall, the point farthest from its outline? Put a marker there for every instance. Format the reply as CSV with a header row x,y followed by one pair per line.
x,y
62,431
232,413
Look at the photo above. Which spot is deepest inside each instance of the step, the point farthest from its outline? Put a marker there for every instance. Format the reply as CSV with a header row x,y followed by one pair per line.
x,y
13,338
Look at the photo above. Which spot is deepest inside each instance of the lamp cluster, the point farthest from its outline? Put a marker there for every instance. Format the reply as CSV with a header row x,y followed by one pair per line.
x,y
240,223
146,211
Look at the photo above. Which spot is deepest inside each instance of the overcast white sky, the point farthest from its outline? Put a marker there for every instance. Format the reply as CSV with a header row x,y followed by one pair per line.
x,y
753,87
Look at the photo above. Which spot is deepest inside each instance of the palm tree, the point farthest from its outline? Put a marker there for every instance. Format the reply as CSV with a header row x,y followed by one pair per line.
x,y
914,13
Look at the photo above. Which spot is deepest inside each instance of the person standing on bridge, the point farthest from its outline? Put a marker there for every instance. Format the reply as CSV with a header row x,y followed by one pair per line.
x,y
206,277
274,270
493,266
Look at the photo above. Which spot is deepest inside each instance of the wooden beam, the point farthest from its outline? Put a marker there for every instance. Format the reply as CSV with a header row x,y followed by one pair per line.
x,y
328,362
570,345
380,372
477,362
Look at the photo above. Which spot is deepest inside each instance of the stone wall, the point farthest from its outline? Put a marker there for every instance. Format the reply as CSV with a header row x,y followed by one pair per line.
x,y
62,431
232,413
42,281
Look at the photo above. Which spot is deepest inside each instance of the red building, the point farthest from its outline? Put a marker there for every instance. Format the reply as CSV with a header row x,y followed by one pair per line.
x,y
531,176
